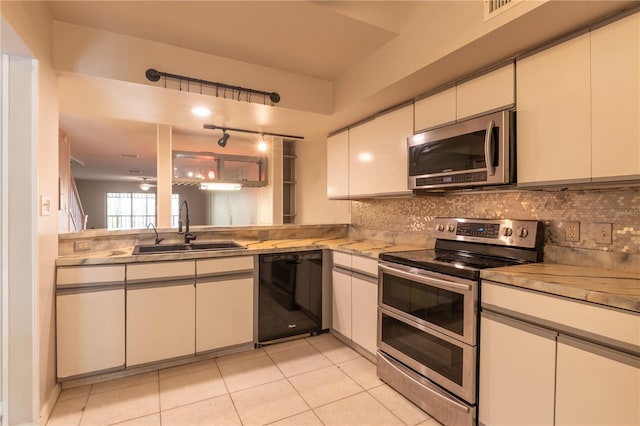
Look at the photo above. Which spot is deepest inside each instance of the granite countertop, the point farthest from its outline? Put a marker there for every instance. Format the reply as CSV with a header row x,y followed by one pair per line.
x,y
368,248
604,287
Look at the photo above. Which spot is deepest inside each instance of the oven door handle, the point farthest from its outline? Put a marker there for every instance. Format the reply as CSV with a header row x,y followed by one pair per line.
x,y
488,149
413,274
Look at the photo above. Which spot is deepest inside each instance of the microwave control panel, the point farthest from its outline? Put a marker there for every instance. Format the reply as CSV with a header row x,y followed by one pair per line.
x,y
521,233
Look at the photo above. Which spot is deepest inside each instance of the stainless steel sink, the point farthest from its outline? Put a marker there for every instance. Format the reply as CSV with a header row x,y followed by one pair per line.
x,y
181,248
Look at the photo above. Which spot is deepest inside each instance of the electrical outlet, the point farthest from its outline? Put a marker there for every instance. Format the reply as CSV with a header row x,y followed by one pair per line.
x,y
604,233
572,231
82,245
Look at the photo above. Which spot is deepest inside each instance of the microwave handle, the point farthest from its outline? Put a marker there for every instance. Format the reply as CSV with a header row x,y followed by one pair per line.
x,y
488,149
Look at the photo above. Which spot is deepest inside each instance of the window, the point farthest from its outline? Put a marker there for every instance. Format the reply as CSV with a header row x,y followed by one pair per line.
x,y
126,210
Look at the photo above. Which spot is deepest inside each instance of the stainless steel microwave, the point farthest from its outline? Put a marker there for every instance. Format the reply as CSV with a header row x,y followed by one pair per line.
x,y
474,152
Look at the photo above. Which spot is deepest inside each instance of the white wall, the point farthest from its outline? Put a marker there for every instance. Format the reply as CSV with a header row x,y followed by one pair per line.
x,y
312,204
33,24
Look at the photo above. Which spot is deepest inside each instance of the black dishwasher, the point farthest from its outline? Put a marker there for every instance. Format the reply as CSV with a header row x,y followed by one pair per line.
x,y
290,295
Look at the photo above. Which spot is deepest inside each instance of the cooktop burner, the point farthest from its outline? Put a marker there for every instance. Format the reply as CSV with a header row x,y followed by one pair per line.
x,y
466,246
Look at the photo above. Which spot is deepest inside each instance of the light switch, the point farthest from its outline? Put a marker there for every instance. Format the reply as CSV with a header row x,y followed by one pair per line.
x,y
45,205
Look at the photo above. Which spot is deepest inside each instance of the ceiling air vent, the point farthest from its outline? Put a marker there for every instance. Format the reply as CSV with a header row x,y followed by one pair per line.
x,y
496,7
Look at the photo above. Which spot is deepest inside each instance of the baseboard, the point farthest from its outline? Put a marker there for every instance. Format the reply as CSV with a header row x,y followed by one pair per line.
x,y
47,408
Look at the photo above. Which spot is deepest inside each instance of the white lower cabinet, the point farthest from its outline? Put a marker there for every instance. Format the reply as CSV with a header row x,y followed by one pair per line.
x,y
224,313
341,305
224,302
90,331
355,300
364,312
90,319
596,385
161,311
534,370
160,323
517,372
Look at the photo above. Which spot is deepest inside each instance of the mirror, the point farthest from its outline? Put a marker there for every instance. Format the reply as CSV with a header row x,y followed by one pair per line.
x,y
115,156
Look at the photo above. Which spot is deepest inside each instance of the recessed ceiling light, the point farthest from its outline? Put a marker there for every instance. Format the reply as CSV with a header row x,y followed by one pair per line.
x,y
201,111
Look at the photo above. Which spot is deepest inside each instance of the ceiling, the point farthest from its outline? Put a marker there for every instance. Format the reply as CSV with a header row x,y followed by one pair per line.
x,y
321,41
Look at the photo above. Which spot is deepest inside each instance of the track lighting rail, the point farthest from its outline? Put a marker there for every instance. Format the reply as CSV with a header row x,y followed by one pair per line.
x,y
255,132
236,91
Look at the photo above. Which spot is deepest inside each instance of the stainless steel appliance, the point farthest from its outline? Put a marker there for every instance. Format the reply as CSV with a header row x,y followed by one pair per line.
x,y
428,311
475,152
290,295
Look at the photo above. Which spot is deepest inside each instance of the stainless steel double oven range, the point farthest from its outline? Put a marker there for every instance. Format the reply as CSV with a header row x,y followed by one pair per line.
x,y
428,311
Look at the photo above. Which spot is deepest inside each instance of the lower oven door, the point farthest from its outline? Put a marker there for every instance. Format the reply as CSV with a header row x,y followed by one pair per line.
x,y
446,361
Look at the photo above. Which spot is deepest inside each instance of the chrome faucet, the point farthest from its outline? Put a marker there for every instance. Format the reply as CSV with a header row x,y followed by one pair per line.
x,y
188,236
158,239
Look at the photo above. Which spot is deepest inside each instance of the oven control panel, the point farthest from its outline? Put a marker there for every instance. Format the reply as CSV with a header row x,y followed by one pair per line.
x,y
521,233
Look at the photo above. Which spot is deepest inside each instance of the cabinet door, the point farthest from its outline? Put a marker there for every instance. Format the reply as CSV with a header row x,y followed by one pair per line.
x,y
554,110
517,373
596,385
364,314
435,110
615,97
488,92
378,155
160,323
338,166
224,313
90,331
342,303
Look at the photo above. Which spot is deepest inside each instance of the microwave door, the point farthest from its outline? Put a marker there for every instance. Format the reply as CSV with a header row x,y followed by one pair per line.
x,y
455,154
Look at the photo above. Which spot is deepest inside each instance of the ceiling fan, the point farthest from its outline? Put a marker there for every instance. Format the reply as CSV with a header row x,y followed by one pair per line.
x,y
145,185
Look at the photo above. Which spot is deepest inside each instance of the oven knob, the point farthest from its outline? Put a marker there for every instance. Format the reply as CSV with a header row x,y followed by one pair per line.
x,y
508,232
523,232
440,227
451,227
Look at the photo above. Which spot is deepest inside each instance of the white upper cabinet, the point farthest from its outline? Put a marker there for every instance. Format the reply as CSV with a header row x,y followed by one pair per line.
x,y
578,108
435,110
338,166
488,92
615,97
378,155
553,98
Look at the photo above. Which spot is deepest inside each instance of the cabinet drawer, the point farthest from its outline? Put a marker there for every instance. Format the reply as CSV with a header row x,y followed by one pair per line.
x,y
365,264
83,275
160,270
581,317
225,264
342,259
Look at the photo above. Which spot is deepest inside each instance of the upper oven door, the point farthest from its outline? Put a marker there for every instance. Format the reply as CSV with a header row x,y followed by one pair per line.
x,y
472,152
442,303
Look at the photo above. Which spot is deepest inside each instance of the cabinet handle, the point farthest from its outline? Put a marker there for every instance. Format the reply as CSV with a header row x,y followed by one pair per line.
x,y
413,275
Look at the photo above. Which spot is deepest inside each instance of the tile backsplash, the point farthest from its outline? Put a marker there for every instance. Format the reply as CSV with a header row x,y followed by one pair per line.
x,y
411,219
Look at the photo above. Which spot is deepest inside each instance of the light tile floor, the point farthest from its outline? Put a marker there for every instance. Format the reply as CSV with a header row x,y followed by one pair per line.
x,y
312,381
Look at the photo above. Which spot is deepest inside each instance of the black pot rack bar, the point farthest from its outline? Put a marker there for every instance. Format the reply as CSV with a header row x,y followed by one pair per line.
x,y
155,75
